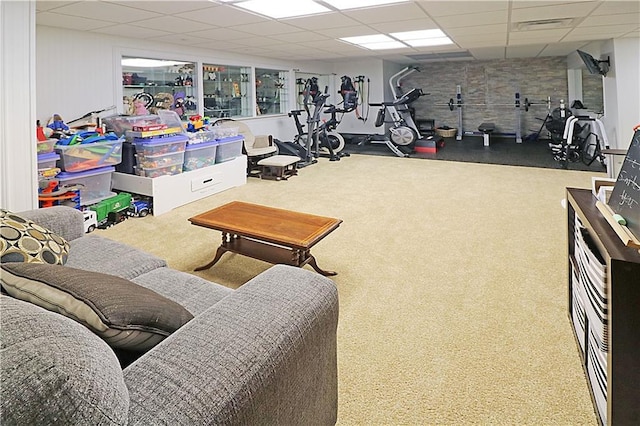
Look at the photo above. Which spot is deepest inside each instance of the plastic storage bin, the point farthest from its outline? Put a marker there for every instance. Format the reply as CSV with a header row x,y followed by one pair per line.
x,y
96,184
47,161
119,124
202,136
162,160
154,172
46,146
81,157
200,155
160,145
229,148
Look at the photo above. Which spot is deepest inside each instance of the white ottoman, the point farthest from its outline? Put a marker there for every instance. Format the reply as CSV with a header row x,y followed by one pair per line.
x,y
279,167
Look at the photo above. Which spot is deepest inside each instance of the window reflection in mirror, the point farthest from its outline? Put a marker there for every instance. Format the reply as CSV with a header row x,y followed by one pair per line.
x,y
226,91
149,85
592,97
271,90
302,80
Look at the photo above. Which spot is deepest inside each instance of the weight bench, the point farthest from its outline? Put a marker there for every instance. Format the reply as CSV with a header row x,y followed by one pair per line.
x,y
279,167
486,129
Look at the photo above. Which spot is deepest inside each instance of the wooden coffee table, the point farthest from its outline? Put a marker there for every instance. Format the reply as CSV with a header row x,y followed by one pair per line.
x,y
267,233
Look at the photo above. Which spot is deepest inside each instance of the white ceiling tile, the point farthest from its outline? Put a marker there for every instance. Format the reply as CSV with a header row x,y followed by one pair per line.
x,y
323,21
267,28
449,8
478,30
561,49
473,19
48,5
182,39
527,4
530,51
107,11
494,39
397,12
596,21
66,21
300,37
221,16
351,31
171,24
609,7
126,30
540,36
484,53
219,34
166,7
257,41
605,30
400,26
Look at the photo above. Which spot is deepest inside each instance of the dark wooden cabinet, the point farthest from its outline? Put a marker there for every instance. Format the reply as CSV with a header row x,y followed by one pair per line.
x,y
604,309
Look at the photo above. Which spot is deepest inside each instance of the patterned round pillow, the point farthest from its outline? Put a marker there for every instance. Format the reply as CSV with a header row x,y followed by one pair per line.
x,y
22,240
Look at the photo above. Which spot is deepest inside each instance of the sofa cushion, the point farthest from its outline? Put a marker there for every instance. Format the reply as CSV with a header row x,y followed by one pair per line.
x,y
25,241
194,293
98,254
55,370
124,314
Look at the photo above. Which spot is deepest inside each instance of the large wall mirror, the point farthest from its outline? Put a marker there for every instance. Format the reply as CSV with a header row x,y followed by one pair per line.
x,y
226,91
149,85
587,88
302,78
271,91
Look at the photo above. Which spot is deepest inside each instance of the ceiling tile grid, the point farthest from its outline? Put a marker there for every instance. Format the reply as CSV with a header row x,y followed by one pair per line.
x,y
483,29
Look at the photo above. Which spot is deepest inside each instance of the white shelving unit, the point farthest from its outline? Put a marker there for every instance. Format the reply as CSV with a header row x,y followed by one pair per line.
x,y
171,191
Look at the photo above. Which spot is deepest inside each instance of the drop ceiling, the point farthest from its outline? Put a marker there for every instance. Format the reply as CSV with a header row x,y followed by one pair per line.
x,y
499,29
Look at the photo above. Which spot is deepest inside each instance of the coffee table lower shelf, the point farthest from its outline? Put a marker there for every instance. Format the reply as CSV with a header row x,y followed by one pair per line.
x,y
265,251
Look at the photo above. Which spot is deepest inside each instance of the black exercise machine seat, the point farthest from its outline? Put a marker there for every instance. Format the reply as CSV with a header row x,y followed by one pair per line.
x,y
486,129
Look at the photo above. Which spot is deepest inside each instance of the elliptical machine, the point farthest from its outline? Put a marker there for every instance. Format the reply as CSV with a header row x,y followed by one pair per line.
x,y
403,132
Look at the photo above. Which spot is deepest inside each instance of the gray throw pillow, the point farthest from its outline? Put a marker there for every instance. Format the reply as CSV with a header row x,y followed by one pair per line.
x,y
124,314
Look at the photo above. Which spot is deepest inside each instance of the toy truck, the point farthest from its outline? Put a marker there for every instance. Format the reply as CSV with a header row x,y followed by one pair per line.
x,y
90,220
112,210
139,208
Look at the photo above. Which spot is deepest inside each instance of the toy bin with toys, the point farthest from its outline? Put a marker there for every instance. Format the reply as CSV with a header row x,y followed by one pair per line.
x,y
160,145
200,155
202,136
160,160
46,146
96,184
119,124
153,172
47,160
229,148
80,157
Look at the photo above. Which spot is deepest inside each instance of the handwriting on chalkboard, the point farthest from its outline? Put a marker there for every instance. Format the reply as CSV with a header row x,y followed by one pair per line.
x,y
625,198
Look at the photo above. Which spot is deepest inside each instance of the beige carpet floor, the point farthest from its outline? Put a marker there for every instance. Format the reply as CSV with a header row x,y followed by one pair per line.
x,y
452,282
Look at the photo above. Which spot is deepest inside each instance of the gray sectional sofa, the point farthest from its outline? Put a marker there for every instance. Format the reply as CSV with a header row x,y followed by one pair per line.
x,y
262,354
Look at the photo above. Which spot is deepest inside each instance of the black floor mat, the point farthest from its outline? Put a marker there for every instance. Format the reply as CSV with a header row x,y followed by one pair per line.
x,y
472,150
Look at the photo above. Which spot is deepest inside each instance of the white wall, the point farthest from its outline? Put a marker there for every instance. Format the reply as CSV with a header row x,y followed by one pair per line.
x,y
18,177
627,78
79,72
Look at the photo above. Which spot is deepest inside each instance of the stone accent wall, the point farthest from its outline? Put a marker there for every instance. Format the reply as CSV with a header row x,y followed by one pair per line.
x,y
490,82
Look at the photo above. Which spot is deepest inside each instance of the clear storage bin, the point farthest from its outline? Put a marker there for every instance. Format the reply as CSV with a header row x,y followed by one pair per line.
x,y
47,160
229,148
119,124
153,172
162,160
202,136
96,183
160,145
46,146
200,155
81,157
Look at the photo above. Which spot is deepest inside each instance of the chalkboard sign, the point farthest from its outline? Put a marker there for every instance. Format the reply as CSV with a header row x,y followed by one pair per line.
x,y
625,198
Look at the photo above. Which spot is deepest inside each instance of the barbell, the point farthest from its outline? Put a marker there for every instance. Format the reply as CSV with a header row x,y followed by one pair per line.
x,y
516,104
